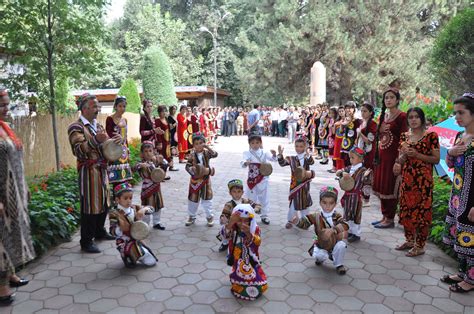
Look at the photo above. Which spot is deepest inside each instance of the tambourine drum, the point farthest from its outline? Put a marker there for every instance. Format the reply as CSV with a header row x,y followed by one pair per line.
x,y
346,183
139,230
327,239
266,169
111,150
301,174
202,171
157,175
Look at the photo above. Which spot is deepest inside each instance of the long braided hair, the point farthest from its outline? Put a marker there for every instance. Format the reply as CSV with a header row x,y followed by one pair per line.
x,y
381,121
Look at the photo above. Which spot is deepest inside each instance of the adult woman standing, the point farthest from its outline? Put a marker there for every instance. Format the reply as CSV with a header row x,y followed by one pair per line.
x,y
182,134
119,171
147,125
173,123
460,217
419,151
16,247
392,124
163,141
366,134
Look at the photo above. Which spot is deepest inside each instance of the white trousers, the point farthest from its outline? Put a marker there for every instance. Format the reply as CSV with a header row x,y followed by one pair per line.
x,y
354,228
154,218
259,195
147,259
292,131
206,205
337,253
292,212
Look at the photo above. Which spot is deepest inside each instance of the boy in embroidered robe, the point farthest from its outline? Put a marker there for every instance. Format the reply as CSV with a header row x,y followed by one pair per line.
x,y
257,184
330,230
132,251
236,191
300,198
151,191
352,200
200,190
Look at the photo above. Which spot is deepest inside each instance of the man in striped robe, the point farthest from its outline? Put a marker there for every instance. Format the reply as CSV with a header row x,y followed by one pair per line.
x,y
86,136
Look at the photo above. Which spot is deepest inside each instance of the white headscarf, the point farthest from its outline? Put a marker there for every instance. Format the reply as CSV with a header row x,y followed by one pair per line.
x,y
246,211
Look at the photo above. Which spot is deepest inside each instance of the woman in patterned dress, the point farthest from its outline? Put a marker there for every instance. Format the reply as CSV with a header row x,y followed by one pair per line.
x,y
366,134
460,217
338,136
350,132
16,246
386,184
147,126
119,171
419,151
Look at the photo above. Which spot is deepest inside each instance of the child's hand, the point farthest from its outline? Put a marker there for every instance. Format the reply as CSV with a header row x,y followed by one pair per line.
x,y
224,220
280,150
273,152
295,220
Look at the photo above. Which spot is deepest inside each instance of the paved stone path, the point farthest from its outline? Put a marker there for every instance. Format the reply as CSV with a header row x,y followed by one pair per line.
x,y
191,276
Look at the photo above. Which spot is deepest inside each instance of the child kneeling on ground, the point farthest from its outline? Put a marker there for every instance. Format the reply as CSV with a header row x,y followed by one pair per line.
x,y
133,251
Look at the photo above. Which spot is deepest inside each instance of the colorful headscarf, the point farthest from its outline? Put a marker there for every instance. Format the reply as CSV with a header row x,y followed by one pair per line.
x,y
122,188
247,211
235,183
328,191
358,151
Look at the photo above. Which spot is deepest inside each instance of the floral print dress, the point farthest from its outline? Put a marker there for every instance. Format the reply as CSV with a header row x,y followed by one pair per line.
x,y
460,231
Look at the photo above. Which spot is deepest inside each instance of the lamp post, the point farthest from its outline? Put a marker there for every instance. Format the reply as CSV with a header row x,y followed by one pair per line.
x,y
214,48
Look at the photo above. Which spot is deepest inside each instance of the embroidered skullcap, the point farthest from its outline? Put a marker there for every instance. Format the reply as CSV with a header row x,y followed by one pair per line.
x,y
393,90
246,211
122,188
254,136
328,191
235,183
198,136
84,98
148,144
358,151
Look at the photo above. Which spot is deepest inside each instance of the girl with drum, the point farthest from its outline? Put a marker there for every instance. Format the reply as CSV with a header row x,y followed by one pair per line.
x,y
350,127
366,134
333,117
173,123
163,140
126,224
338,136
323,133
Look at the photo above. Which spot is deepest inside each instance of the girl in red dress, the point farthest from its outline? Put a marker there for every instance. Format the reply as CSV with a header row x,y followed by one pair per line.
x,y
392,124
366,134
204,124
182,134
339,135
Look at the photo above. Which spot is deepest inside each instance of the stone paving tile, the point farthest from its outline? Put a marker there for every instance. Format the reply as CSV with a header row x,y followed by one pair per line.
x,y
192,277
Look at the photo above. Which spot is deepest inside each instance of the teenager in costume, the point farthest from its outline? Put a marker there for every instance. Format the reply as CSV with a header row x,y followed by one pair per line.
x,y
330,230
333,117
247,278
131,250
350,132
147,124
236,191
352,200
151,191
323,131
257,184
200,190
163,141
300,197
366,134
182,131
338,137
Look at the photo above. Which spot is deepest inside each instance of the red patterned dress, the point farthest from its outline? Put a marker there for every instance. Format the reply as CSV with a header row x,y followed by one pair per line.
x,y
182,136
164,139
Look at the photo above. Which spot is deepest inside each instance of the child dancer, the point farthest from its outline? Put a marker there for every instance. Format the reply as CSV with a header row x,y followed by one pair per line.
x,y
339,128
323,131
151,191
236,190
327,223
333,117
121,220
352,200
257,184
200,190
300,197
248,280
350,133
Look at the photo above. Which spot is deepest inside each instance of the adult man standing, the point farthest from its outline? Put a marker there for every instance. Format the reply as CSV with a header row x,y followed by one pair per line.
x,y
86,136
274,118
225,118
282,121
292,124
253,118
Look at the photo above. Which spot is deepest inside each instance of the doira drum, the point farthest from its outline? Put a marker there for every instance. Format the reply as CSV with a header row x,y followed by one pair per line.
x,y
266,169
111,150
202,171
327,239
346,183
139,230
301,174
157,175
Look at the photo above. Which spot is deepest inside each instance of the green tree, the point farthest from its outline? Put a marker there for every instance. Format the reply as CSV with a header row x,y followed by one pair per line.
x,y
453,54
157,77
129,89
64,98
55,39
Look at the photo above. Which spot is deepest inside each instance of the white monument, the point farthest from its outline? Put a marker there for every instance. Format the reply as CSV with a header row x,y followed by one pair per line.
x,y
318,84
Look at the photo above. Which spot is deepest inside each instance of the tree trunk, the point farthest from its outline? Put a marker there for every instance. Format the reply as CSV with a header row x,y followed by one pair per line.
x,y
52,100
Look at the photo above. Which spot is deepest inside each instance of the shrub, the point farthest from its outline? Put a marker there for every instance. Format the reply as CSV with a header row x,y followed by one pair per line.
x,y
134,146
129,89
157,77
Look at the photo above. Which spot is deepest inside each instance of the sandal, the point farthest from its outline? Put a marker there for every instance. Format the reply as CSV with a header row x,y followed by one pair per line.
x,y
415,251
458,289
341,270
404,246
447,279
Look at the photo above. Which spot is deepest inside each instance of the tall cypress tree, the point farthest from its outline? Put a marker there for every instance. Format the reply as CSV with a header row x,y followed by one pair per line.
x,y
157,77
129,89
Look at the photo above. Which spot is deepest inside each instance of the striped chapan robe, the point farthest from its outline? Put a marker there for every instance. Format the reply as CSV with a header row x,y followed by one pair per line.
x,y
299,191
91,167
352,200
200,188
151,191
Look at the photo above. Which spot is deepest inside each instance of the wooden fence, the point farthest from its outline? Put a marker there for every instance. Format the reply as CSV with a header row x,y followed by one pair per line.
x,y
37,136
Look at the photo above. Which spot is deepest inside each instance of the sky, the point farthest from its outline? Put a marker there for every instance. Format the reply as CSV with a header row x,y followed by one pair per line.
x,y
115,10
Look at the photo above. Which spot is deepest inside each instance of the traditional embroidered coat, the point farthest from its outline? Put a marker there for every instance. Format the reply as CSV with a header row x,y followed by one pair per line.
x,y
91,166
352,200
151,191
200,188
319,222
299,191
16,245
